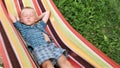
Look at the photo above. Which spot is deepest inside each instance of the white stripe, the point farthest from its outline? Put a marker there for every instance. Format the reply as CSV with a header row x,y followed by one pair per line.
x,y
81,42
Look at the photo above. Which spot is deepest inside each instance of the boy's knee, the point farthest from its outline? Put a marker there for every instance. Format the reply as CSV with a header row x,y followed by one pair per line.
x,y
62,59
47,64
64,63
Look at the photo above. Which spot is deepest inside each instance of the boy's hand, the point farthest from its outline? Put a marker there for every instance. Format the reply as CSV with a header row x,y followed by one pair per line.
x,y
44,16
13,18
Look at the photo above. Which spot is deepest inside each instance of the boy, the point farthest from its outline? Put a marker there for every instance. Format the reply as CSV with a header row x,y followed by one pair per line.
x,y
33,30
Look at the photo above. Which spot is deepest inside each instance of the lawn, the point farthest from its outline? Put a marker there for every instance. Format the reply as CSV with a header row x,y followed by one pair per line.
x,y
97,20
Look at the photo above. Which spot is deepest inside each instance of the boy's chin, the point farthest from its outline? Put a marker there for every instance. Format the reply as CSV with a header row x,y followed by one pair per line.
x,y
30,23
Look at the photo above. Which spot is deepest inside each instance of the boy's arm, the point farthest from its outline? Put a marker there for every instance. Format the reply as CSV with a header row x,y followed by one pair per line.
x,y
13,18
44,16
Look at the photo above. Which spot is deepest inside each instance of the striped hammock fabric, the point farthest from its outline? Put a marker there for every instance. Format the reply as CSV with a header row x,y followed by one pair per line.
x,y
14,53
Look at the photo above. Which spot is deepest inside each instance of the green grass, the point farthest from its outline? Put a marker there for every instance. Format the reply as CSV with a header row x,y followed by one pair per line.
x,y
97,20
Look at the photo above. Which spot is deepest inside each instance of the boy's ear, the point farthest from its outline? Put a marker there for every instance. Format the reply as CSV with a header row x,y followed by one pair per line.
x,y
37,19
20,19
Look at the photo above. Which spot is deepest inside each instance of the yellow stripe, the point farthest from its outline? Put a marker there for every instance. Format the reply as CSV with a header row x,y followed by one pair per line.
x,y
28,3
21,55
11,7
64,36
67,38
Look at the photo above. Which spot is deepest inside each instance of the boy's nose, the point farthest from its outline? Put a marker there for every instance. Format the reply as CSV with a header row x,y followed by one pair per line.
x,y
28,17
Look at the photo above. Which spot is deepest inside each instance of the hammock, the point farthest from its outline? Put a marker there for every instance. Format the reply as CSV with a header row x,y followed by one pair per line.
x,y
82,54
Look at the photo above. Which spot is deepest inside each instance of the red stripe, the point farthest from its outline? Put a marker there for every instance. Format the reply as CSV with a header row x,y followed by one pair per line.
x,y
17,6
3,8
76,65
37,8
97,51
3,55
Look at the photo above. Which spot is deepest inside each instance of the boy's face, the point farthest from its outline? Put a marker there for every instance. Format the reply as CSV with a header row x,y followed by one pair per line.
x,y
28,16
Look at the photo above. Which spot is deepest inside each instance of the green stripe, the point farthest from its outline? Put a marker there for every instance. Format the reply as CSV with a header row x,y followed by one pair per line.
x,y
78,43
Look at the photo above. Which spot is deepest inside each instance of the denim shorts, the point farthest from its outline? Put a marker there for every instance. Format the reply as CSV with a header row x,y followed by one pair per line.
x,y
48,52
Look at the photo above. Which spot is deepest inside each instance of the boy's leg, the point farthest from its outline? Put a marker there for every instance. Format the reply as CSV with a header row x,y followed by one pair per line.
x,y
64,63
47,64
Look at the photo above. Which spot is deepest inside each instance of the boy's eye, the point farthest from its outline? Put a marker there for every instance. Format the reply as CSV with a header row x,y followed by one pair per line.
x,y
24,15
